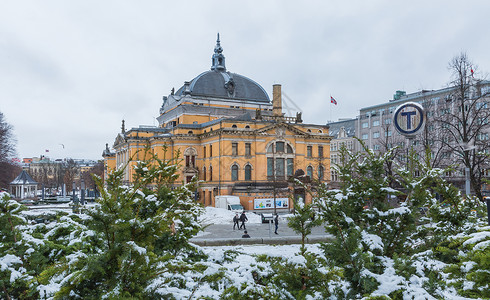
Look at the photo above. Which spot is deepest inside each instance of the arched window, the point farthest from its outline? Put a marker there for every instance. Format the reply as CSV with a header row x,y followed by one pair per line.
x,y
247,127
309,172
210,173
233,126
190,132
280,160
234,173
190,157
248,172
320,172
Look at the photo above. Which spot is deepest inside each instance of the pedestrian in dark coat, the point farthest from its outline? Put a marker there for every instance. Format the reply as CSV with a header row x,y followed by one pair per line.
x,y
236,218
245,234
243,219
276,223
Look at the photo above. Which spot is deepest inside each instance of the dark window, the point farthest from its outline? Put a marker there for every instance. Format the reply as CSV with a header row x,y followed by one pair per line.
x,y
270,167
290,167
320,151
320,172
280,167
279,147
234,149
309,151
248,172
204,152
210,150
204,174
210,173
248,148
289,149
234,173
309,172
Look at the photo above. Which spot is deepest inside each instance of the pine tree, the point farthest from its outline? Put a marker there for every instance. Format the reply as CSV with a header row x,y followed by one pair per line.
x,y
369,230
137,233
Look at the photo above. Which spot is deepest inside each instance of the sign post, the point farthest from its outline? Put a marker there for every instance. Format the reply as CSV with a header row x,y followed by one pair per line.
x,y
409,119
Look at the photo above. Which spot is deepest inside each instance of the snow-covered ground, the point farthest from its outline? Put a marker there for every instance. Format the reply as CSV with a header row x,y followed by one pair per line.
x,y
213,215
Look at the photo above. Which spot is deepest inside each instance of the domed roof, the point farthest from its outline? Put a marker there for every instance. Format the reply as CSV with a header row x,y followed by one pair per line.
x,y
218,83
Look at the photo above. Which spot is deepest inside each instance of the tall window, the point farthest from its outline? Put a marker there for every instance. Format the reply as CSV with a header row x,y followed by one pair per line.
x,y
320,151
248,149
309,172
210,150
270,167
309,151
204,173
210,173
204,152
290,167
234,149
280,167
234,173
320,172
280,161
248,172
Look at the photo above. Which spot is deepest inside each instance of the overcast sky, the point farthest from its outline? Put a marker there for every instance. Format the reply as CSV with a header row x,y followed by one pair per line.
x,y
70,71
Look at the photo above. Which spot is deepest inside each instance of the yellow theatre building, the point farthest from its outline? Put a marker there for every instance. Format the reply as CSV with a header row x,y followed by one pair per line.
x,y
233,138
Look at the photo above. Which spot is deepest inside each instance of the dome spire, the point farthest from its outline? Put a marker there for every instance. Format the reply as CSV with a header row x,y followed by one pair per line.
x,y
218,59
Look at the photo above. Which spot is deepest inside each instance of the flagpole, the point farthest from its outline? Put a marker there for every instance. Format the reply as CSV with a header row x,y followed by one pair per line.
x,y
330,108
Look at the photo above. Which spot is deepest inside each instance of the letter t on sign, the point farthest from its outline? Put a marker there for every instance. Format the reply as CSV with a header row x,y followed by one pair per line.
x,y
409,115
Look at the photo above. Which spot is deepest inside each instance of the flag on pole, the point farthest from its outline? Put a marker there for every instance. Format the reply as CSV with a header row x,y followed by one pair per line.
x,y
472,72
332,100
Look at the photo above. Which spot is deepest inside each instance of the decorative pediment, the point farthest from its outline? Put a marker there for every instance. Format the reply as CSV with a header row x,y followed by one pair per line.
x,y
120,139
281,129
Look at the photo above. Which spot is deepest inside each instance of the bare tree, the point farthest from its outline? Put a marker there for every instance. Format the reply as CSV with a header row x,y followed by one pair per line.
x,y
97,169
387,141
71,171
465,120
8,166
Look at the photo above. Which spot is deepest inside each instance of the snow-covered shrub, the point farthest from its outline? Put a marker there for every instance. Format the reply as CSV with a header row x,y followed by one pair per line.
x,y
131,237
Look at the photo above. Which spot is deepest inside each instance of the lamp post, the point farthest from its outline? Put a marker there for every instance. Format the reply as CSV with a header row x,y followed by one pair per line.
x,y
73,192
82,192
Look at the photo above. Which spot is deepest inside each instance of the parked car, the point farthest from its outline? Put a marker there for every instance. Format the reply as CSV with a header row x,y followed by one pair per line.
x,y
28,202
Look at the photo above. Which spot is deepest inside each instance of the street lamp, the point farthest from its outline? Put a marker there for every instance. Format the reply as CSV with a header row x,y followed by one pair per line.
x,y
82,192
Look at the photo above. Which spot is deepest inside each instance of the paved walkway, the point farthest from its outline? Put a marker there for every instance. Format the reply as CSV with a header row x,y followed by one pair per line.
x,y
223,234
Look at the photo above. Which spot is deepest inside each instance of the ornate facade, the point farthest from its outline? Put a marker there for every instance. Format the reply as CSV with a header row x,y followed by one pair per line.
x,y
232,137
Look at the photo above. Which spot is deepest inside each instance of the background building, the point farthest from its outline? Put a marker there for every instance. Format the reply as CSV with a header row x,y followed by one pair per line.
x,y
343,134
453,115
232,137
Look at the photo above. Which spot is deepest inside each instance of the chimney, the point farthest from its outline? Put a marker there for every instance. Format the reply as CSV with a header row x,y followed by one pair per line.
x,y
276,100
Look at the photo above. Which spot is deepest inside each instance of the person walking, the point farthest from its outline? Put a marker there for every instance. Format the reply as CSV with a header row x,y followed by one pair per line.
x,y
236,218
243,219
276,223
